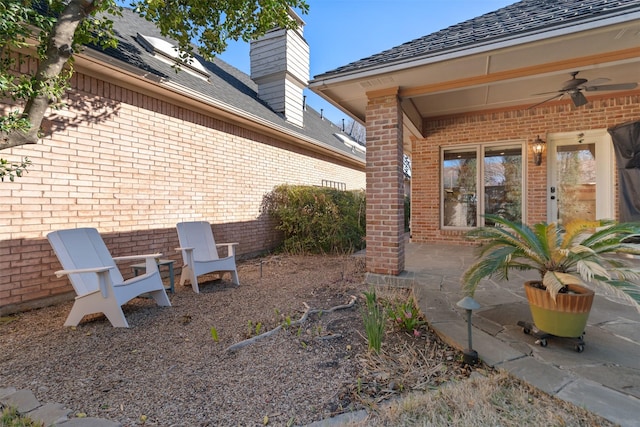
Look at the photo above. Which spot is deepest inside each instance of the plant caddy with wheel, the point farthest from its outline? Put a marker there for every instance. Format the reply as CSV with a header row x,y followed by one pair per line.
x,y
573,260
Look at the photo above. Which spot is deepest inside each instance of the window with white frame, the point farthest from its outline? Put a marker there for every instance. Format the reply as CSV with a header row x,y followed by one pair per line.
x,y
482,179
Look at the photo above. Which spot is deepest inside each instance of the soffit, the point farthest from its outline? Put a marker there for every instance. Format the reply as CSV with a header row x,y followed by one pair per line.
x,y
500,77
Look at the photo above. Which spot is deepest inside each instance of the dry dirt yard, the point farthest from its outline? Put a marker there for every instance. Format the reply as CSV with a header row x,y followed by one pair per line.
x,y
168,370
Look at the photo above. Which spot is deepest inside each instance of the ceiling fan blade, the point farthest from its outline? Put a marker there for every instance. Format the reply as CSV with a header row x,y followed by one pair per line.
x,y
547,100
619,86
548,93
578,98
597,82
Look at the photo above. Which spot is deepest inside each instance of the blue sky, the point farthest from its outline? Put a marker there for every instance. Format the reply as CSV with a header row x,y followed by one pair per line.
x,y
342,31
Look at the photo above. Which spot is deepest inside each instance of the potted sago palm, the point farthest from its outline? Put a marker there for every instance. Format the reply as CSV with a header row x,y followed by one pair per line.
x,y
573,260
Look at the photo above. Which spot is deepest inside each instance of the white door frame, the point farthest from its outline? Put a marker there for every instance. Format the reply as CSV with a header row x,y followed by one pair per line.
x,y
604,169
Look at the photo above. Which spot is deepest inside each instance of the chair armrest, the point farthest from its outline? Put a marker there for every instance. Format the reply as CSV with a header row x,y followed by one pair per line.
x,y
61,273
231,247
187,256
134,257
104,281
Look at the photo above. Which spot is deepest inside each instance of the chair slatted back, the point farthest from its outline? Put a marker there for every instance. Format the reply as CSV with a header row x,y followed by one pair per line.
x,y
83,248
198,235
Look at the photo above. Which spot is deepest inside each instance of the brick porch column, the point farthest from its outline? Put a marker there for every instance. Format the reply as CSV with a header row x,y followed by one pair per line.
x,y
385,198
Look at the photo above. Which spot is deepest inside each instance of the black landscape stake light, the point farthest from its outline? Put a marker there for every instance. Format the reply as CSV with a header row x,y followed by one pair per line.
x,y
469,356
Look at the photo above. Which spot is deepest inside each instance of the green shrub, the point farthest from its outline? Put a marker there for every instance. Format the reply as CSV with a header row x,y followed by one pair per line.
x,y
318,219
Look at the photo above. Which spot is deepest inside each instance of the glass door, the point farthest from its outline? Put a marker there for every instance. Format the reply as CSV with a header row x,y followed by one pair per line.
x,y
479,180
580,176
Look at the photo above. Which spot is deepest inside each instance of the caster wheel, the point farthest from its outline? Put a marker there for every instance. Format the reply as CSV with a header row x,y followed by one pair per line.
x,y
526,331
542,342
579,348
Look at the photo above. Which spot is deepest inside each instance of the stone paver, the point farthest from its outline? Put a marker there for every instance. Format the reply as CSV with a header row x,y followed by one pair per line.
x,y
342,419
611,404
23,400
541,375
50,414
604,378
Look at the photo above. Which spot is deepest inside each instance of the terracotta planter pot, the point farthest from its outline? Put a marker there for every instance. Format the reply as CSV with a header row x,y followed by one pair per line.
x,y
567,316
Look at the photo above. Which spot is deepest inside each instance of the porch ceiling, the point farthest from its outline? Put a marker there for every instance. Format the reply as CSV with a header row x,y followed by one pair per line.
x,y
502,75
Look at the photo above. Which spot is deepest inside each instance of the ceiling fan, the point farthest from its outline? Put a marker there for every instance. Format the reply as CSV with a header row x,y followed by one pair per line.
x,y
575,86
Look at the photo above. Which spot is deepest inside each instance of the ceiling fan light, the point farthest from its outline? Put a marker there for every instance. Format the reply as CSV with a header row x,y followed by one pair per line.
x,y
578,98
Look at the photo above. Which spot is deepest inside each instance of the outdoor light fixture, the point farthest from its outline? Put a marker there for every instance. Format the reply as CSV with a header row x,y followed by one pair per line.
x,y
537,146
469,356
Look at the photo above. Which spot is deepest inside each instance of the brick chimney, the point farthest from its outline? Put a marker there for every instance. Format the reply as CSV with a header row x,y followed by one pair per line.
x,y
280,68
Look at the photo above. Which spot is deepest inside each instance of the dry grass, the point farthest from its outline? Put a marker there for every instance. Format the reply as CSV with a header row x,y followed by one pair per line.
x,y
488,398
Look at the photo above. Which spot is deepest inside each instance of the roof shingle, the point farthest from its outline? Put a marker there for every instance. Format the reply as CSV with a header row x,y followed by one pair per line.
x,y
226,84
527,16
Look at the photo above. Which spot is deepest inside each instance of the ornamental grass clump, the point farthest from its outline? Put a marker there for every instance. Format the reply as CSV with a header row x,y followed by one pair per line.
x,y
374,321
586,253
10,417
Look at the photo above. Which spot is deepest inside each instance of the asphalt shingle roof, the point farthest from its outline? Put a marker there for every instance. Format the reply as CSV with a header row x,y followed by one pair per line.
x,y
527,16
226,83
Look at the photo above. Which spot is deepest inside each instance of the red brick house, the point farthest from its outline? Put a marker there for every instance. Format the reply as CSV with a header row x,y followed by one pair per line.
x,y
142,147
468,104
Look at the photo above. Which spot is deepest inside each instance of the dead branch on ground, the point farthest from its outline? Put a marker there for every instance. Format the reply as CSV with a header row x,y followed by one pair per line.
x,y
308,311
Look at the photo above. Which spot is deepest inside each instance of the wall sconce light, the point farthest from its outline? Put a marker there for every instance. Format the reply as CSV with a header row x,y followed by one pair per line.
x,y
537,146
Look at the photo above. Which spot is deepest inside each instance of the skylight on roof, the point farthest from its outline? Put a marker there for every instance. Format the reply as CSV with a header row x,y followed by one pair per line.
x,y
164,50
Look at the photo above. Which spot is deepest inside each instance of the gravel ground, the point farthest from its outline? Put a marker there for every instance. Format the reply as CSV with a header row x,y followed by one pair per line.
x,y
168,367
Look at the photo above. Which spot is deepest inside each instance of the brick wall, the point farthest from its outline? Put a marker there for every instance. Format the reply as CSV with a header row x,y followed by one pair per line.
x,y
523,125
133,166
385,197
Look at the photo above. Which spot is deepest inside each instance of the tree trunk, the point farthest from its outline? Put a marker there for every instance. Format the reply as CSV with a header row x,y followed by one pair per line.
x,y
59,51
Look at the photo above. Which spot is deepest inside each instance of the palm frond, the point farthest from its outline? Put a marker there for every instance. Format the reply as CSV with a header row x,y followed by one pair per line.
x,y
554,281
576,231
626,274
486,266
581,249
629,248
612,231
548,236
590,269
529,242
624,290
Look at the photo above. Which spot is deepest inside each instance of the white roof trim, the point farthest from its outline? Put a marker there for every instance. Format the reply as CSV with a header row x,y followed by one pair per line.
x,y
351,143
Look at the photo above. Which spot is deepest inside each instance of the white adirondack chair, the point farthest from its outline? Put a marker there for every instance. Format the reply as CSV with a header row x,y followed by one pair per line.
x,y
96,279
200,253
